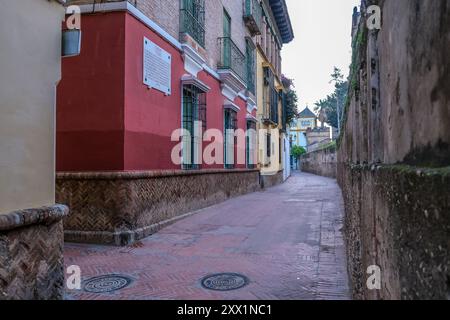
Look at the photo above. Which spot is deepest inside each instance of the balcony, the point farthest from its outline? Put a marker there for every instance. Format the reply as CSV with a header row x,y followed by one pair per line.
x,y
231,58
192,20
232,67
253,16
270,98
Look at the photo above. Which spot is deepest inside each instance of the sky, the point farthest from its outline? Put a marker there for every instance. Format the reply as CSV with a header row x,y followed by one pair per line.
x,y
322,30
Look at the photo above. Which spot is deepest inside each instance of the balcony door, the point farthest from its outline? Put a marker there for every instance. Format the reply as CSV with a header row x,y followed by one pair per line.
x,y
227,39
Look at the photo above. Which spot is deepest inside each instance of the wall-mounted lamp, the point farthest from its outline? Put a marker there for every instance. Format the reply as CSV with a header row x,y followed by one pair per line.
x,y
71,43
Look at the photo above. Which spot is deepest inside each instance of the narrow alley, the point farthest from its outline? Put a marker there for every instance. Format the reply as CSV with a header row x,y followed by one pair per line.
x,y
286,241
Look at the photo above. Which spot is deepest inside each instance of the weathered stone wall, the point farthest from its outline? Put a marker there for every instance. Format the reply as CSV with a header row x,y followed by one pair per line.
x,y
321,162
120,208
271,180
31,254
394,152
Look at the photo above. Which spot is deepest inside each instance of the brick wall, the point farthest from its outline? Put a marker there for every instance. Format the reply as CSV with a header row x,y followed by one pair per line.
x,y
31,254
166,13
120,208
214,26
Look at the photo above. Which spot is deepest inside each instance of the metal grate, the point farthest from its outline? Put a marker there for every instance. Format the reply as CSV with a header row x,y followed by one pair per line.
x,y
253,16
270,97
230,119
194,111
192,19
107,283
251,145
231,57
251,72
225,282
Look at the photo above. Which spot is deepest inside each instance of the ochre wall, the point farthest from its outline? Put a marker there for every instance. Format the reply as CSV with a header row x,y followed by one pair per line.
x,y
30,69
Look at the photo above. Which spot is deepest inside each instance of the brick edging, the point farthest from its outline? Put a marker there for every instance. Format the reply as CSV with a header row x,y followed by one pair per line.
x,y
121,238
21,218
136,175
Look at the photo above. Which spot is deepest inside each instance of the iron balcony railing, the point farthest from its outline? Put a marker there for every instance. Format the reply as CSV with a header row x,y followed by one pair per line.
x,y
270,98
232,58
192,20
251,73
270,106
251,70
253,16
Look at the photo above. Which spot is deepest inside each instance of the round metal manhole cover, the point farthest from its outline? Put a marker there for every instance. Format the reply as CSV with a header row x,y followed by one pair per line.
x,y
108,283
225,282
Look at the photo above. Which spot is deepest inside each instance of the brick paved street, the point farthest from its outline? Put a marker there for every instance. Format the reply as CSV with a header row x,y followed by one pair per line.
x,y
286,240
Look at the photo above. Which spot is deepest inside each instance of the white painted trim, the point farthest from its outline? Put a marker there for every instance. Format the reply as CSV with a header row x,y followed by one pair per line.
x,y
191,66
193,54
188,79
227,104
251,118
228,92
243,96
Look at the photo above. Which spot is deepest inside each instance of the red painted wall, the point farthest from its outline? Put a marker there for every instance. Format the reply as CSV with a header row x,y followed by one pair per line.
x,y
150,116
90,98
107,119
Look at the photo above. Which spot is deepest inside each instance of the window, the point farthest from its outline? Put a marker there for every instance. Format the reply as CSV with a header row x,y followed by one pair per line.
x,y
280,153
269,146
194,121
230,125
226,24
226,46
251,144
193,19
270,97
250,59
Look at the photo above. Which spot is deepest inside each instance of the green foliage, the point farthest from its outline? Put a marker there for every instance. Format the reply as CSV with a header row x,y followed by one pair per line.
x,y
291,101
332,101
291,106
297,151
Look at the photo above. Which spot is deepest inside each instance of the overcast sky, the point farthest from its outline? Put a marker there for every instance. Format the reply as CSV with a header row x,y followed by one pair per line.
x,y
322,40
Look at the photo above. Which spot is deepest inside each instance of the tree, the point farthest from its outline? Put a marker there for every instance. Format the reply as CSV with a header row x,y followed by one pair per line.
x,y
297,151
334,103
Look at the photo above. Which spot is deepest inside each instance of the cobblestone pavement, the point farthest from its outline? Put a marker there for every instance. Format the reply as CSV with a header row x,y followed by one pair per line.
x,y
287,240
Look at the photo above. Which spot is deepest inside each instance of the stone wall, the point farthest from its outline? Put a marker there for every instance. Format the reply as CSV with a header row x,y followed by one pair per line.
x,y
268,181
31,254
121,208
394,152
321,162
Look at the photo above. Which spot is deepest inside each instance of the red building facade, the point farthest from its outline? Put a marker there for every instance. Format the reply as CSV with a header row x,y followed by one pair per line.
x,y
116,135
109,120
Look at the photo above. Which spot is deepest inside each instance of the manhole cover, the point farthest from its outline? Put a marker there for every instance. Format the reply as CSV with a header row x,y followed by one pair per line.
x,y
225,282
108,283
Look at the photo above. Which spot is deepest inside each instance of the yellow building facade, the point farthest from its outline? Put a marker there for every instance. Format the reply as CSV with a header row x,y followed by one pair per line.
x,y
273,138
